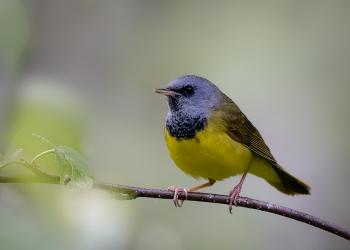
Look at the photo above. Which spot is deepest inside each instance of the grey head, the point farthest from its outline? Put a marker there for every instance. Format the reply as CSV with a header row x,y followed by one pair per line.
x,y
191,94
191,99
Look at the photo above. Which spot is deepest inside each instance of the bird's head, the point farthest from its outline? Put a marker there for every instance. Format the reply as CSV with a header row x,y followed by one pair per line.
x,y
192,95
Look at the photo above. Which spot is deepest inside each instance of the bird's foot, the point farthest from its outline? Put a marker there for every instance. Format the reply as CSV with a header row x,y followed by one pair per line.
x,y
234,194
176,190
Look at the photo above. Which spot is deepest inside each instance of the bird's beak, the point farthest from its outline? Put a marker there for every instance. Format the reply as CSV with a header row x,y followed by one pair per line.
x,y
167,92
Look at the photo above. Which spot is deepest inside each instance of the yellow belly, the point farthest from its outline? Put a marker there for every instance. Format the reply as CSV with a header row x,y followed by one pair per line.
x,y
212,154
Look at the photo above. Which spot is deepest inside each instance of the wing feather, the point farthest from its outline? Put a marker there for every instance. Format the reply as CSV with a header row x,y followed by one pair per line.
x,y
241,129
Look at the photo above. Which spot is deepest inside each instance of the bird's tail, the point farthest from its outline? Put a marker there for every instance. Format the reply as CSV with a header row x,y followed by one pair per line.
x,y
279,178
289,184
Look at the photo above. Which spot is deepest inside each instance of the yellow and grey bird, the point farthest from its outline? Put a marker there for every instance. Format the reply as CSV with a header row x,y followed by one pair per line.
x,y
209,137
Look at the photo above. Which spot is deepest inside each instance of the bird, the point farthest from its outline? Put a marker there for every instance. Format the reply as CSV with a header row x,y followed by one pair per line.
x,y
209,137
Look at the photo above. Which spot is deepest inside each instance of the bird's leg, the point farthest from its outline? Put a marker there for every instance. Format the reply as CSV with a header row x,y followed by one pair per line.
x,y
177,202
204,185
234,193
176,190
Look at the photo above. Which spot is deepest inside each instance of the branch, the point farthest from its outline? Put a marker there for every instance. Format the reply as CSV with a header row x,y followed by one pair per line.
x,y
128,192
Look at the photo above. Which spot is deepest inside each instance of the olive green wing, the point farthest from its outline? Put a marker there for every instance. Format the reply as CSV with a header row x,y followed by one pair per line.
x,y
245,132
241,129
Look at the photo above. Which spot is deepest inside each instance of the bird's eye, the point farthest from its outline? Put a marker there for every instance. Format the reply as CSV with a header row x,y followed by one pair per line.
x,y
188,90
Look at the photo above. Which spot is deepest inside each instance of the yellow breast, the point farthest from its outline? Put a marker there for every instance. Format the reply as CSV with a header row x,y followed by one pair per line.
x,y
211,154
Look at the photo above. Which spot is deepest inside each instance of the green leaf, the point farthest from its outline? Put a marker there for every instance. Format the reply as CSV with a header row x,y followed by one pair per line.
x,y
10,161
13,156
74,168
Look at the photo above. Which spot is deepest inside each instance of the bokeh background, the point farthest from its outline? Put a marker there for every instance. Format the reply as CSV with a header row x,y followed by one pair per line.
x,y
81,73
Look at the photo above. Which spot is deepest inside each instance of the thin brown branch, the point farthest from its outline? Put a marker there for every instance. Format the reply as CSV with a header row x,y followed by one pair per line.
x,y
128,192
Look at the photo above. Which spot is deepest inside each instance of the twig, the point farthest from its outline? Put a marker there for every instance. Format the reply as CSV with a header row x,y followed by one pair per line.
x,y
128,192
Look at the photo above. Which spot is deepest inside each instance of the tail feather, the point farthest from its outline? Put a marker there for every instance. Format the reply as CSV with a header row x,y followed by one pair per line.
x,y
275,175
289,184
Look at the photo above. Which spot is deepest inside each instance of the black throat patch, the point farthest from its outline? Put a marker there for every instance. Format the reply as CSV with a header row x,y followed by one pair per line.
x,y
185,127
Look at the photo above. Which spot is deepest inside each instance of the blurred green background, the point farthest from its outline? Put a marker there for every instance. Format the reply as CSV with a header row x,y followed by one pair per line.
x,y
81,73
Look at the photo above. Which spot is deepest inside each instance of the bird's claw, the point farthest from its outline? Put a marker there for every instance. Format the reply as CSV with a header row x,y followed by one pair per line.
x,y
176,190
234,194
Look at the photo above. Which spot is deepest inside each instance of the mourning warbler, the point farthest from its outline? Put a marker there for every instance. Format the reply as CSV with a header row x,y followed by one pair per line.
x,y
209,137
